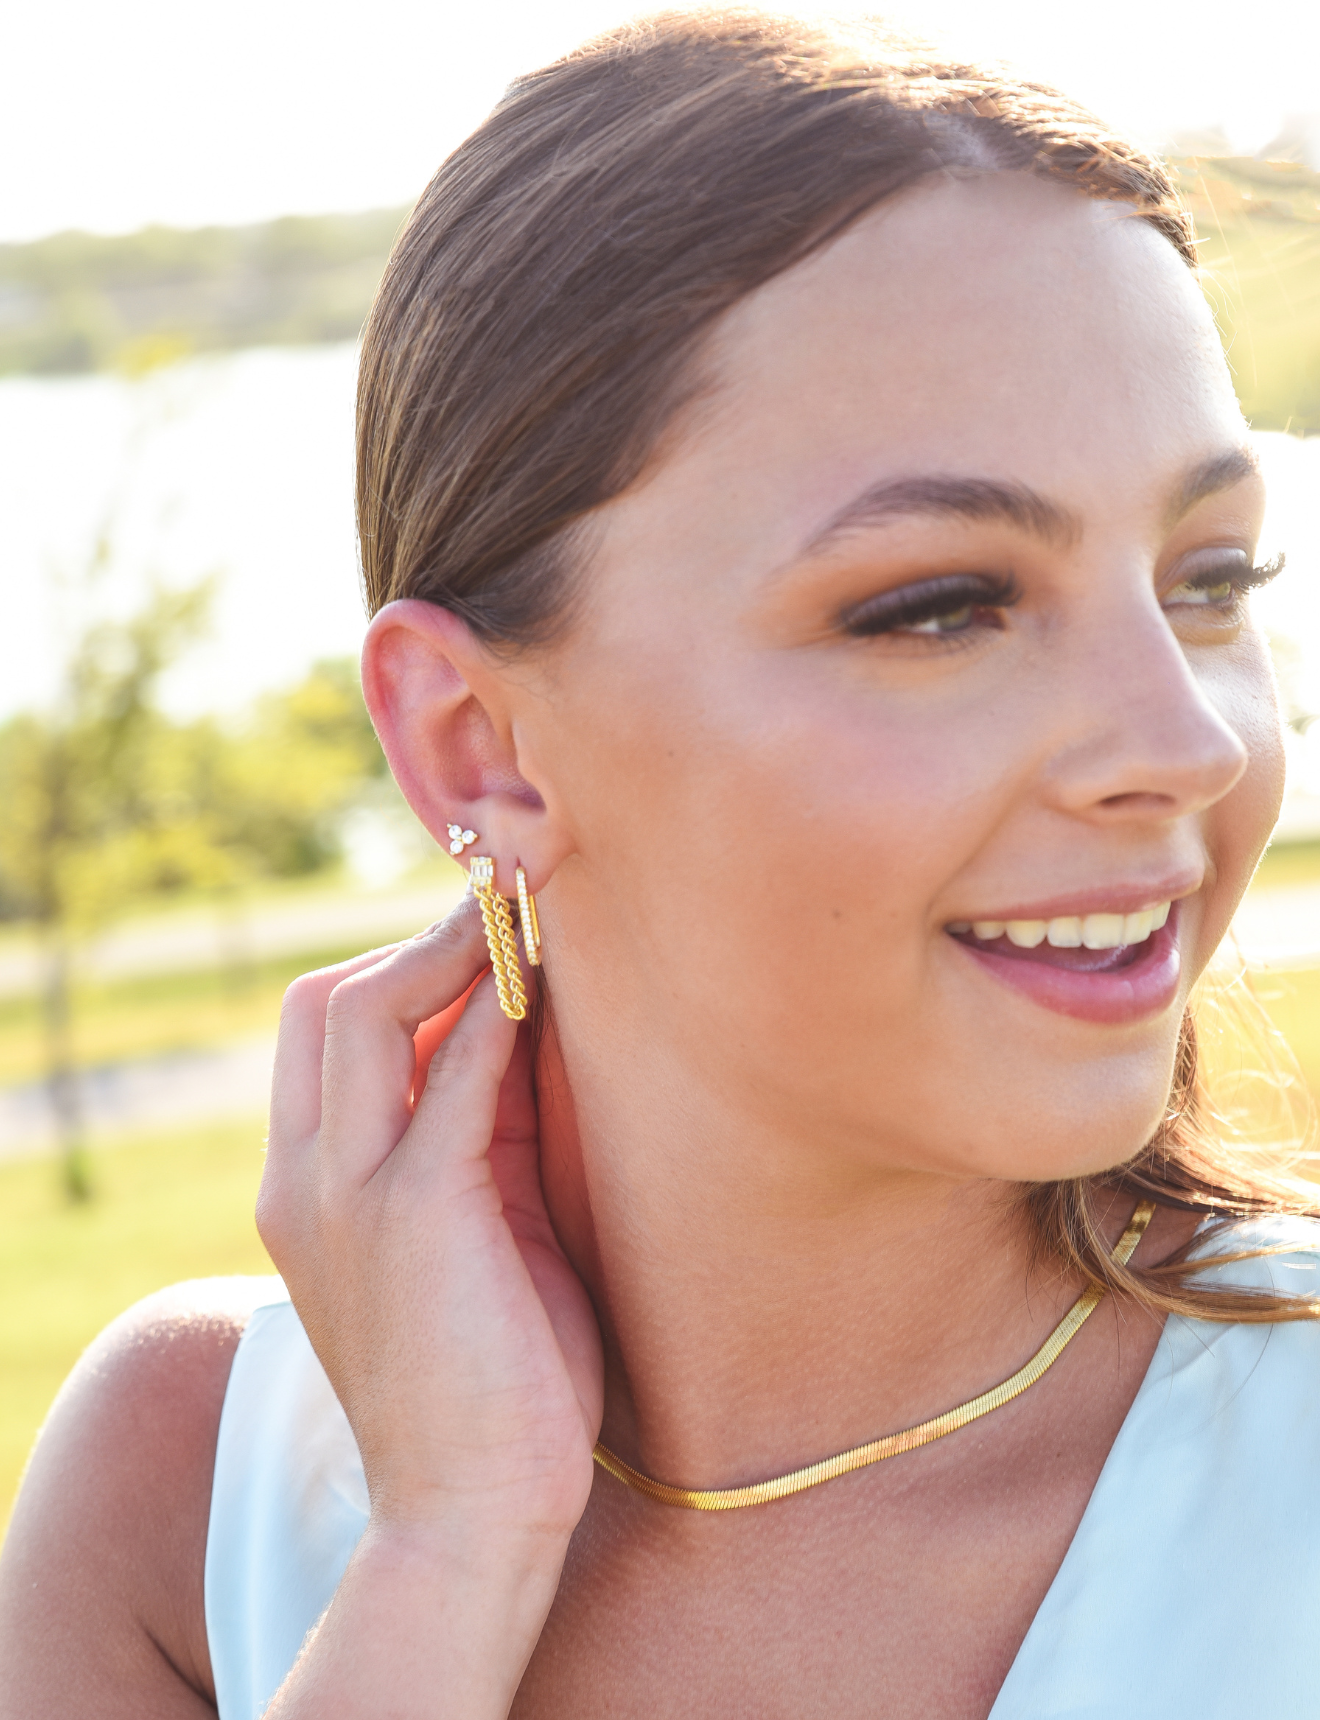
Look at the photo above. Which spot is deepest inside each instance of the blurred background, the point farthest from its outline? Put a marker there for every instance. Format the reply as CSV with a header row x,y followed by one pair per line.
x,y
195,206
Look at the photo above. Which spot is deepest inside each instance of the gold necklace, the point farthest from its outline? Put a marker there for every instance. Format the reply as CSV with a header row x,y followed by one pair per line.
x,y
761,1492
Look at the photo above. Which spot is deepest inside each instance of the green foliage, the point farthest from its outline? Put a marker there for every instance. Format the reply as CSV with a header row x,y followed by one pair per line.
x,y
78,301
86,812
109,803
279,786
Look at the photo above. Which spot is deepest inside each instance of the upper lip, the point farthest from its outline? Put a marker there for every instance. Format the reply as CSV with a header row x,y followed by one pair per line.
x,y
1095,899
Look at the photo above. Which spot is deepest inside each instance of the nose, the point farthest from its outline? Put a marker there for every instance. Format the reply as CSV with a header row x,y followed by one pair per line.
x,y
1147,741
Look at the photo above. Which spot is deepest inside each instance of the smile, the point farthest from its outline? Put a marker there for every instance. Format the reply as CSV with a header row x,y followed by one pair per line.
x,y
1104,967
1070,931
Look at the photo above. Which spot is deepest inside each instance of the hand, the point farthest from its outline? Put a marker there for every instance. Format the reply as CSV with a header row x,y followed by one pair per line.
x,y
418,1252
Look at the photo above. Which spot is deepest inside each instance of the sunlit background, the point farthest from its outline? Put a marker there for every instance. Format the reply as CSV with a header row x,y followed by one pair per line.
x,y
195,205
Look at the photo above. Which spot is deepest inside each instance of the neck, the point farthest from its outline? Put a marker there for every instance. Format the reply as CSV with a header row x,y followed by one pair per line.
x,y
765,1302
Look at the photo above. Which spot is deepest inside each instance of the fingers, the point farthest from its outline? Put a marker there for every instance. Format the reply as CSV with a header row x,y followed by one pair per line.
x,y
370,1059
295,1106
428,1039
457,1110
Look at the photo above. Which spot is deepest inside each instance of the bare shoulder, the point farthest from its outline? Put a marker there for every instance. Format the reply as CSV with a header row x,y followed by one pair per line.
x,y
101,1599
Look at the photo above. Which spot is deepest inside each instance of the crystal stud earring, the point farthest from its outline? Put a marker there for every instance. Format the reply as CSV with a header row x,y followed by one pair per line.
x,y
459,839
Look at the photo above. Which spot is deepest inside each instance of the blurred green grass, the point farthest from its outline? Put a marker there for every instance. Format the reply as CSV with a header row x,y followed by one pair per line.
x,y
1288,863
167,1207
1292,1001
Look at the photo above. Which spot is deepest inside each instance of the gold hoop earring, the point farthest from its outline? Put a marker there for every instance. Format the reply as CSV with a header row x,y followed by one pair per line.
x,y
500,939
531,926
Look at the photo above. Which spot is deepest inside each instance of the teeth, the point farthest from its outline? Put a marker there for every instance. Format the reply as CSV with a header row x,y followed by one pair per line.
x,y
1136,927
1026,934
1070,932
1102,931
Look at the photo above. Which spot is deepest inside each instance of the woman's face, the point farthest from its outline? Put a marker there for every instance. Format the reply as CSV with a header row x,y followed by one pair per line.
x,y
917,665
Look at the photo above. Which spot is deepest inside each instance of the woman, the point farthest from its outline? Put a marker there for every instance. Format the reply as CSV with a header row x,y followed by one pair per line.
x,y
808,525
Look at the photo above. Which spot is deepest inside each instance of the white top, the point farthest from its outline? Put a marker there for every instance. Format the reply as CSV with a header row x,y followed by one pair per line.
x,y
1191,1588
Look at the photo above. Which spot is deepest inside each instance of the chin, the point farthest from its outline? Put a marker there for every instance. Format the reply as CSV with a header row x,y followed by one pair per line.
x,y
1080,1125
1067,1148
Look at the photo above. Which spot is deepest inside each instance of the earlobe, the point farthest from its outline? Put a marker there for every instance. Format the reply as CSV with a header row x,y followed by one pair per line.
x,y
441,706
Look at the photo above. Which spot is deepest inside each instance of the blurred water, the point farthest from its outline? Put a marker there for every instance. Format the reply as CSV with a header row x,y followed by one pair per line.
x,y
239,464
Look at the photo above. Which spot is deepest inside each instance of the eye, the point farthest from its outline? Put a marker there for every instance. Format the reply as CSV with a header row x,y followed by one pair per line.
x,y
956,604
1222,586
1199,594
951,621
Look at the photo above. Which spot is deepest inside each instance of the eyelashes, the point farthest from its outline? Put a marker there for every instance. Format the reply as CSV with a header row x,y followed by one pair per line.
x,y
952,604
1221,588
1249,580
955,604
1263,574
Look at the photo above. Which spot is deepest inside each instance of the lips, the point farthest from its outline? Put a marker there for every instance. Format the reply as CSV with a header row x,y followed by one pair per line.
x,y
1095,978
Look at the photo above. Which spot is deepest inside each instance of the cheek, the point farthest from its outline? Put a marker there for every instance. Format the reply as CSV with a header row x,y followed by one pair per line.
x,y
810,831
861,804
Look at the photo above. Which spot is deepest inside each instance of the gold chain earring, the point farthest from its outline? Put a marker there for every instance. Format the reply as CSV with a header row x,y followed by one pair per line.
x,y
500,939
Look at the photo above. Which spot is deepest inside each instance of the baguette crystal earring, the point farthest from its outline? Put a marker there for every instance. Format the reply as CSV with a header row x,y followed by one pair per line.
x,y
500,939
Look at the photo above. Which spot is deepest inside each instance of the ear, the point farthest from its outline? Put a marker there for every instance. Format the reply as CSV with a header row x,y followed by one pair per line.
x,y
445,709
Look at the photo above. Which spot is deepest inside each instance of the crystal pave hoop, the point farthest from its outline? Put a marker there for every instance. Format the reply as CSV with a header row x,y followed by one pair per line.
x,y
531,926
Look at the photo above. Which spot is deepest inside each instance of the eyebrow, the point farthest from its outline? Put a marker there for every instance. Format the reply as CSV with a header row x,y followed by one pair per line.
x,y
1017,504
962,498
1220,472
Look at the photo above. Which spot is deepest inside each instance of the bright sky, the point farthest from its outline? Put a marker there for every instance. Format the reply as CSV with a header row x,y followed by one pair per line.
x,y
119,112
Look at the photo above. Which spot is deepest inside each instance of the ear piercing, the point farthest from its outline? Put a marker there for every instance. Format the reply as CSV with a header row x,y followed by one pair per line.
x,y
459,839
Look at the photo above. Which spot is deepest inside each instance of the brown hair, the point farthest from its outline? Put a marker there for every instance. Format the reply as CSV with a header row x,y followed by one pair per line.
x,y
537,325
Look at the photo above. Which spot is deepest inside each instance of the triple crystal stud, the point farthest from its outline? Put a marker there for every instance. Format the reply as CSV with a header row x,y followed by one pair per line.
x,y
459,839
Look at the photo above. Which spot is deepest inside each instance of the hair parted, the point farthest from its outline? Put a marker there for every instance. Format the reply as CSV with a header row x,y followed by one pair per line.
x,y
537,327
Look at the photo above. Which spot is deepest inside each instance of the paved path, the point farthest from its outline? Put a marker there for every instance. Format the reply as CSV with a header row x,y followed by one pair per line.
x,y
207,938
151,1093
1278,928
230,1080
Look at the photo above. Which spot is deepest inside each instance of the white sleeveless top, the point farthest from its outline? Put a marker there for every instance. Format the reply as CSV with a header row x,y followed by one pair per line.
x,y
1191,1590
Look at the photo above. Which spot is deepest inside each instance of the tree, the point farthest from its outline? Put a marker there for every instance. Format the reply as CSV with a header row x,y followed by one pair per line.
x,y
108,803
85,828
